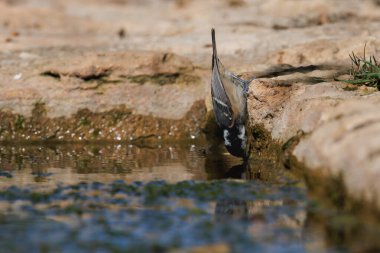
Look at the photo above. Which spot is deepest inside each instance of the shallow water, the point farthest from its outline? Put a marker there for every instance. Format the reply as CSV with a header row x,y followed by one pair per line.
x,y
109,197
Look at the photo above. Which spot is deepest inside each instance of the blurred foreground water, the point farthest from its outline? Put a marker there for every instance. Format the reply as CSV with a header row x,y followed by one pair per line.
x,y
112,197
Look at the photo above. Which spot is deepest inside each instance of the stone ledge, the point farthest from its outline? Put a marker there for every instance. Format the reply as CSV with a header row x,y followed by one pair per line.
x,y
341,129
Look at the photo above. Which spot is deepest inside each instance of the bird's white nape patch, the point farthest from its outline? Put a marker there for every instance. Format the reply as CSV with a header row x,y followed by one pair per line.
x,y
242,136
225,136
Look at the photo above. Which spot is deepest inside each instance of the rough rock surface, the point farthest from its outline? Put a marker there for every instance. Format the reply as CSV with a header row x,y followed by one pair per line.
x,y
91,69
339,128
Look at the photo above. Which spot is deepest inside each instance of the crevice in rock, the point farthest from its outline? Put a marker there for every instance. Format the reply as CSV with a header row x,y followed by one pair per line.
x,y
163,78
52,73
317,19
91,73
160,79
288,147
285,69
356,128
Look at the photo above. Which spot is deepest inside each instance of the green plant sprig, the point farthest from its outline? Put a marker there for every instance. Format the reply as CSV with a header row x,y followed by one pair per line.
x,y
363,71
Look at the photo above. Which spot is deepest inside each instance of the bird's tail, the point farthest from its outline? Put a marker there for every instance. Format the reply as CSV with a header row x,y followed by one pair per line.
x,y
214,53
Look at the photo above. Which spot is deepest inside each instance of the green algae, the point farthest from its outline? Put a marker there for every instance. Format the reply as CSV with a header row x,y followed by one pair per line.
x,y
118,124
164,79
20,122
160,79
171,216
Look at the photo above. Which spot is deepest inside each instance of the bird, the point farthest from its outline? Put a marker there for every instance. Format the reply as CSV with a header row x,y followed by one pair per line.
x,y
229,101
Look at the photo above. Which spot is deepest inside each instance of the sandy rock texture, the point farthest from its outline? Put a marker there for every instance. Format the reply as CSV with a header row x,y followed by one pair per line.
x,y
337,129
127,69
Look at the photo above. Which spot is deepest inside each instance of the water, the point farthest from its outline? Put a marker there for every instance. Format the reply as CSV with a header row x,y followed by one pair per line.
x,y
109,197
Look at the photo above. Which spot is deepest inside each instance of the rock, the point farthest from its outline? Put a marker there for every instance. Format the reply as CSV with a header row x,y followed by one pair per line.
x,y
346,144
103,95
341,128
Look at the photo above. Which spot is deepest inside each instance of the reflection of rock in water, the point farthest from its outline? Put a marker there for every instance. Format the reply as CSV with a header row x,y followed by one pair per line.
x,y
171,162
237,171
264,169
333,229
220,164
101,162
264,218
231,209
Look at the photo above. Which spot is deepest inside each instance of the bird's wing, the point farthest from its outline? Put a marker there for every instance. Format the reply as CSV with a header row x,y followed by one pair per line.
x,y
221,103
